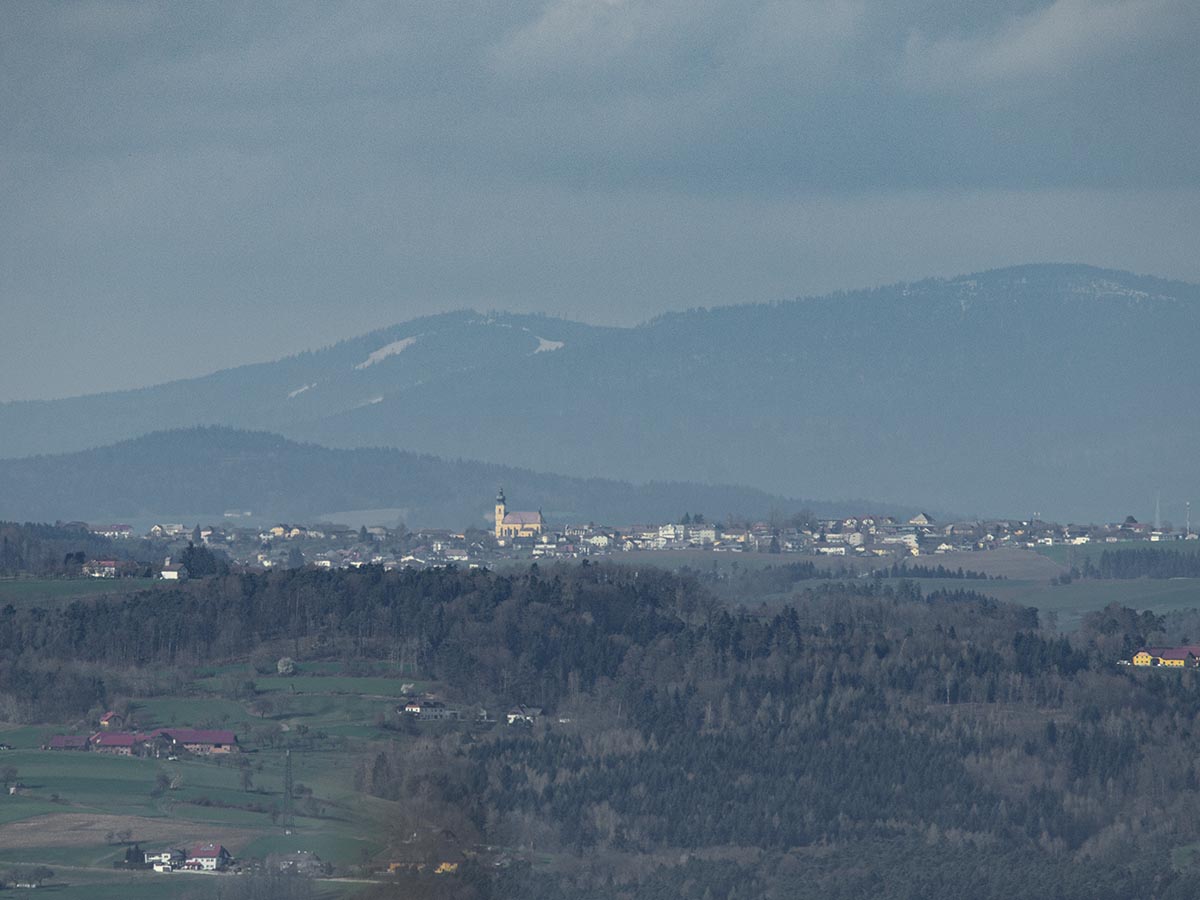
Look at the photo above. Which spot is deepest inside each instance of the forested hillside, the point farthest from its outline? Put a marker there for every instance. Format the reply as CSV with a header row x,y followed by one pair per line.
x,y
205,471
40,549
864,738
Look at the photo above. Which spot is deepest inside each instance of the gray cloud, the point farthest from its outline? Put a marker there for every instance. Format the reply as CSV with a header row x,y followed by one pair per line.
x,y
268,178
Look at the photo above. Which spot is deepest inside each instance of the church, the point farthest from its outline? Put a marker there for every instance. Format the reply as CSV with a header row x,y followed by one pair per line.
x,y
516,524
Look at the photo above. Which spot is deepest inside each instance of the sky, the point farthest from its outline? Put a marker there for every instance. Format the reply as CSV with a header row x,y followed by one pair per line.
x,y
186,187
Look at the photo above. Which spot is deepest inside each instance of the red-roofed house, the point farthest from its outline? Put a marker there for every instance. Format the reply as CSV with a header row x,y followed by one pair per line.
x,y
67,742
1175,657
116,743
201,741
207,857
112,720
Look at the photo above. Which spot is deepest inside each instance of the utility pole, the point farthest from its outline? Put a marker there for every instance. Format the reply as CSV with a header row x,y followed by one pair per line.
x,y
288,817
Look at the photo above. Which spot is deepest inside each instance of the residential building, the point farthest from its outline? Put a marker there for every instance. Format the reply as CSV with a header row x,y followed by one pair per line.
x,y
207,858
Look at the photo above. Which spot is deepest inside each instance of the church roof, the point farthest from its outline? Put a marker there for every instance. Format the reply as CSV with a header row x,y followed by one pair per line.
x,y
523,518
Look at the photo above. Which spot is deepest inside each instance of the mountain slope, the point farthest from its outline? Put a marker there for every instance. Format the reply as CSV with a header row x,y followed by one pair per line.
x,y
1061,390
349,375
204,471
1056,389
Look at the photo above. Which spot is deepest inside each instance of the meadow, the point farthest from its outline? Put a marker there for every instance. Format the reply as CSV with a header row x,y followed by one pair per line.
x,y
71,808
51,592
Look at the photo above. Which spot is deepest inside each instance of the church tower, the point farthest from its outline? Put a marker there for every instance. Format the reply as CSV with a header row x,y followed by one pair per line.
x,y
501,509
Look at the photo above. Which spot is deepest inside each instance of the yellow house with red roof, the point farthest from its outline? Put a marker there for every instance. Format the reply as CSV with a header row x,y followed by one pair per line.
x,y
1171,657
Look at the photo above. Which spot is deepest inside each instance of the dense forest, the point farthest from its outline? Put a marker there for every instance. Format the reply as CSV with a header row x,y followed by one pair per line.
x,y
39,549
864,737
1144,562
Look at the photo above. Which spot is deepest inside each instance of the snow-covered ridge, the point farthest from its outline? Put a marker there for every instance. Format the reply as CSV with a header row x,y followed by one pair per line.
x,y
545,346
387,350
300,390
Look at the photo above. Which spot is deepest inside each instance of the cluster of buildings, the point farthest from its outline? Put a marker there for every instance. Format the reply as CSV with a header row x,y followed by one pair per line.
x,y
1184,657
157,743
208,857
527,534
427,708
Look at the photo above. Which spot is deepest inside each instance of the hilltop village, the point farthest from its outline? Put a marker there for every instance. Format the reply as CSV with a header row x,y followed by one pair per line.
x,y
530,535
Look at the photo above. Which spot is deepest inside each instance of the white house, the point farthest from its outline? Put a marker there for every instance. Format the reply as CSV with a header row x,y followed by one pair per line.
x,y
207,858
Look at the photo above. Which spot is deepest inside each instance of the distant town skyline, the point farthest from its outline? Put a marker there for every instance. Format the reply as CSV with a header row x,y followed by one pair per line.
x,y
187,188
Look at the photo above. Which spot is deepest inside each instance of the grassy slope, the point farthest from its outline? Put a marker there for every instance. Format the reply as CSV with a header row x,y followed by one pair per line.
x,y
95,786
51,592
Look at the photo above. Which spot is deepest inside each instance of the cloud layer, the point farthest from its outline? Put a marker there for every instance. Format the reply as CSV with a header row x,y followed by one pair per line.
x,y
266,178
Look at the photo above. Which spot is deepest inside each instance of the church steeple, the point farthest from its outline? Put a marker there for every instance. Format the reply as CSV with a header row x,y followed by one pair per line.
x,y
501,509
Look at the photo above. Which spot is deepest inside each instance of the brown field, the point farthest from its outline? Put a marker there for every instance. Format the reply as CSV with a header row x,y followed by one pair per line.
x,y
1011,562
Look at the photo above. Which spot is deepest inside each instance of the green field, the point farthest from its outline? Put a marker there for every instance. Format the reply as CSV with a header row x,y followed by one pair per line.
x,y
1071,601
70,803
91,884
1066,555
52,592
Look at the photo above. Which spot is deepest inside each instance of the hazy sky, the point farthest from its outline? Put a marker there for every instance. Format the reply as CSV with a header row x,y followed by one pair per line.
x,y
189,186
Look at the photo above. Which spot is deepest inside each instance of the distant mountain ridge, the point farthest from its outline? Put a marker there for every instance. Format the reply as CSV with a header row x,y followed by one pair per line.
x,y
209,470
1059,389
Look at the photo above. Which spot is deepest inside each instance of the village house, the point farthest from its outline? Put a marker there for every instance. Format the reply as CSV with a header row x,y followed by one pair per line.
x,y
173,571
112,721
524,714
1172,657
101,568
207,858
113,532
164,860
431,711
199,741
116,743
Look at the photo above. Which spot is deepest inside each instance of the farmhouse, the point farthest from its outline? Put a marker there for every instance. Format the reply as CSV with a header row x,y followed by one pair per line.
x,y
201,742
112,720
170,859
1172,657
207,858
523,713
431,711
173,572
101,568
67,742
116,743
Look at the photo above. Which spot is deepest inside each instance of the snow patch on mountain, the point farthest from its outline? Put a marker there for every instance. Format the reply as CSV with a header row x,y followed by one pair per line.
x,y
387,350
300,390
